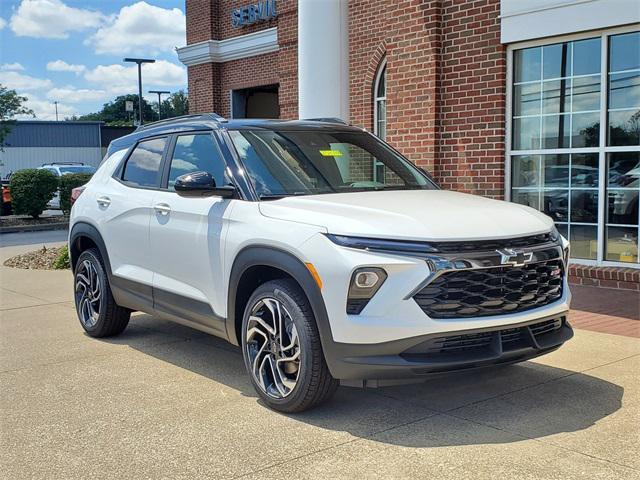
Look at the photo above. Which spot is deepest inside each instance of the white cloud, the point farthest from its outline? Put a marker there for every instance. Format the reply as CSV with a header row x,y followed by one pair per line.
x,y
119,79
62,66
52,19
11,67
19,81
141,29
71,94
3,23
46,110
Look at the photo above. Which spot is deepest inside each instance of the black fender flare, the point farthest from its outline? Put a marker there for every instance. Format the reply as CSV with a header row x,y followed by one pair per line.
x,y
84,229
273,257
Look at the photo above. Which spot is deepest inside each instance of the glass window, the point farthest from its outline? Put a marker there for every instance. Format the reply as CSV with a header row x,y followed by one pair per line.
x,y
624,52
587,182
380,100
282,163
197,153
623,201
584,60
624,90
527,64
143,166
560,77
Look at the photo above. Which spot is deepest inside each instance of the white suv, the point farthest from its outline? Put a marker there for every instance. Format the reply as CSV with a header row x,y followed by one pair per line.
x,y
64,168
317,248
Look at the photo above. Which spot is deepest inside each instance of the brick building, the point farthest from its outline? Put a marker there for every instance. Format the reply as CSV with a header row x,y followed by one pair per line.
x,y
534,101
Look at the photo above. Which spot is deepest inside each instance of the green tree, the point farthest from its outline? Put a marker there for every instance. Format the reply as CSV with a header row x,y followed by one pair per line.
x,y
114,113
11,104
177,104
31,190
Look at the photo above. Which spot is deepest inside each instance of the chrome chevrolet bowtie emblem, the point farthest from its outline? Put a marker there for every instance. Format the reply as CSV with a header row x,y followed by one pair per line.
x,y
515,258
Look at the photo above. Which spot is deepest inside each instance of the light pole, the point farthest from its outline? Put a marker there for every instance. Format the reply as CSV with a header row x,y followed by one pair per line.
x,y
139,62
56,104
159,92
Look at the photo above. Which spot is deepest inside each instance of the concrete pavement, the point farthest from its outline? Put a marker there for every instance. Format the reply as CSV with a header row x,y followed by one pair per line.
x,y
164,401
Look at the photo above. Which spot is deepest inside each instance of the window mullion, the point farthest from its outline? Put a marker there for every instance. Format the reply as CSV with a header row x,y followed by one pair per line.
x,y
602,161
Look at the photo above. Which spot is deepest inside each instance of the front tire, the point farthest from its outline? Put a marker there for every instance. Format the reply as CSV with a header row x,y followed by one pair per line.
x,y
99,314
282,350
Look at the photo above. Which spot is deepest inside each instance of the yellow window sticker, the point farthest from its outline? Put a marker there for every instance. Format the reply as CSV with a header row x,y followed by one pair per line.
x,y
331,153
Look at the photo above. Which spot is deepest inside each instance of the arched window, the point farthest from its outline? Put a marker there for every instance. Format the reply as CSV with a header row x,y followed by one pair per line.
x,y
380,115
380,102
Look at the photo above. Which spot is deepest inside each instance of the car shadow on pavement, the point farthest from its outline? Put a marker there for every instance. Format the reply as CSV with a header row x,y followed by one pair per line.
x,y
498,405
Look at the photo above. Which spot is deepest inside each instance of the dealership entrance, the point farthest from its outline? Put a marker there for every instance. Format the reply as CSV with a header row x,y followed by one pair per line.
x,y
255,102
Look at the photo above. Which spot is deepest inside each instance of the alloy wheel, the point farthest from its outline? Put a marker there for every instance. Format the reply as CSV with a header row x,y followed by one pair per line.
x,y
273,348
88,293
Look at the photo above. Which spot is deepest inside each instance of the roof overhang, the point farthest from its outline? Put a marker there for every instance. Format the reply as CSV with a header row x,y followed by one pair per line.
x,y
218,51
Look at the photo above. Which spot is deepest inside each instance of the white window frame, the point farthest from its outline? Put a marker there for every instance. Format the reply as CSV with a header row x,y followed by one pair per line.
x,y
602,149
382,68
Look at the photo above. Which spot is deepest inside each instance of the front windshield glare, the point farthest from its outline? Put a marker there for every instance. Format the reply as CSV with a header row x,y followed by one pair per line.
x,y
282,163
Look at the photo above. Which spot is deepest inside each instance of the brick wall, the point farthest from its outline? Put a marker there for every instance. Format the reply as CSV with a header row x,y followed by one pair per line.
x,y
446,74
210,84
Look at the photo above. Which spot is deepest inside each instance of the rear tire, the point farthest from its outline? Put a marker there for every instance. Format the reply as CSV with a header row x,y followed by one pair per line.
x,y
99,314
282,350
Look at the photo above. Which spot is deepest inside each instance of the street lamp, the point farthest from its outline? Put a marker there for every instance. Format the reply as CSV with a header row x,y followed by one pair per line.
x,y
159,92
139,61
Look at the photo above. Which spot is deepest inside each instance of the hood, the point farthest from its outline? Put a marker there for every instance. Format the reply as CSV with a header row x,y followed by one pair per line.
x,y
435,215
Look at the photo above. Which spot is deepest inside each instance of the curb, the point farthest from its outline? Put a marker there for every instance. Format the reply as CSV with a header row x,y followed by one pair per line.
x,y
35,228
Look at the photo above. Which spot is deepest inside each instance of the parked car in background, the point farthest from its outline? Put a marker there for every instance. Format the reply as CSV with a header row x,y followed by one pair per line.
x,y
6,198
65,168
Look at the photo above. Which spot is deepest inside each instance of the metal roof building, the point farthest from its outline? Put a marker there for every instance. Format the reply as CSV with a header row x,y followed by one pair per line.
x,y
32,143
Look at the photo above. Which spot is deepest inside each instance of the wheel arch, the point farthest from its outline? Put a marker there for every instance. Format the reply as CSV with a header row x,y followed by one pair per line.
x,y
273,260
83,236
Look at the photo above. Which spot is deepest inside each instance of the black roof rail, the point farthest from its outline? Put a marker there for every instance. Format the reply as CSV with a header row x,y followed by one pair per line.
x,y
183,118
327,120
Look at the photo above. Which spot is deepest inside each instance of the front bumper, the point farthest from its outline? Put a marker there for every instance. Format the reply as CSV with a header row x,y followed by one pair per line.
x,y
414,358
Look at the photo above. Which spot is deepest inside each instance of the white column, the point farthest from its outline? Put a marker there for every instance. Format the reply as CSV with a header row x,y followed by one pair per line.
x,y
323,59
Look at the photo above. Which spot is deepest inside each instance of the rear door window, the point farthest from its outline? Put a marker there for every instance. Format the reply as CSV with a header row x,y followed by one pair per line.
x,y
143,166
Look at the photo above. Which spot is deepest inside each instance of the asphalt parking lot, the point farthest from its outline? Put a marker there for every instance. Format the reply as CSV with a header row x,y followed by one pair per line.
x,y
164,401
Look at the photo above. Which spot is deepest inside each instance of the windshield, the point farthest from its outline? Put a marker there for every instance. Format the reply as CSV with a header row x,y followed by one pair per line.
x,y
77,169
282,163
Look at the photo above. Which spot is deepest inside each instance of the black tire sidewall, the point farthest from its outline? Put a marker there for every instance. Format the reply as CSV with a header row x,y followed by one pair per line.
x,y
280,290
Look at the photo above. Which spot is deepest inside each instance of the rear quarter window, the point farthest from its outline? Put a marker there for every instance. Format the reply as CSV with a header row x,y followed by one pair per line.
x,y
143,165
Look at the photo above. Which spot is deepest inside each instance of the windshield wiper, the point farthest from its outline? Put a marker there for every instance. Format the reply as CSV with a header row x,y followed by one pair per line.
x,y
275,196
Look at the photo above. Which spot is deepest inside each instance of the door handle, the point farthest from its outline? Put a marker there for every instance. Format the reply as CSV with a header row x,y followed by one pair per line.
x,y
162,209
103,201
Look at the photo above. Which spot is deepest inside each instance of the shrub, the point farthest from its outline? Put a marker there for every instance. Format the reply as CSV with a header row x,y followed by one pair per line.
x,y
31,189
67,183
62,262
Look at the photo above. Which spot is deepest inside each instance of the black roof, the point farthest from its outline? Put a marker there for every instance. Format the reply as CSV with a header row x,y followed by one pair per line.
x,y
211,121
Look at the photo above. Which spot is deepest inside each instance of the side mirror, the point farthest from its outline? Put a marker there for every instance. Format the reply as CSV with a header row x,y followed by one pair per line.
x,y
201,184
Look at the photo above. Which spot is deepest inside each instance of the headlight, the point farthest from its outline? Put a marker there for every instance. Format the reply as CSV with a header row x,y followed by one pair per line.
x,y
381,245
554,234
365,282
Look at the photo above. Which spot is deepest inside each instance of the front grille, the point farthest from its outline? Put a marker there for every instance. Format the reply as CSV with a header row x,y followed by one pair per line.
x,y
485,344
491,245
492,291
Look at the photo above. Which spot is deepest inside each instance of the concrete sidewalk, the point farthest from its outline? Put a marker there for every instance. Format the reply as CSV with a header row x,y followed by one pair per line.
x,y
164,401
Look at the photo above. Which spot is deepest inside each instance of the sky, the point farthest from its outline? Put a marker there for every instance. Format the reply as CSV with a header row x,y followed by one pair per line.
x,y
71,51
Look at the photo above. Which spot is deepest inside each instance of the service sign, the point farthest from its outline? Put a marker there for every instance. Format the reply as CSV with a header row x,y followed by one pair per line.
x,y
256,12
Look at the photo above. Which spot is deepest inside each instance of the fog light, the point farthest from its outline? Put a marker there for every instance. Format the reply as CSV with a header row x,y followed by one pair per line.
x,y
365,282
366,279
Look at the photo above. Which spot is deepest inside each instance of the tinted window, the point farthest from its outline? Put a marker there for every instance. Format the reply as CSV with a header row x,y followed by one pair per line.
x,y
144,163
314,162
197,153
80,169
